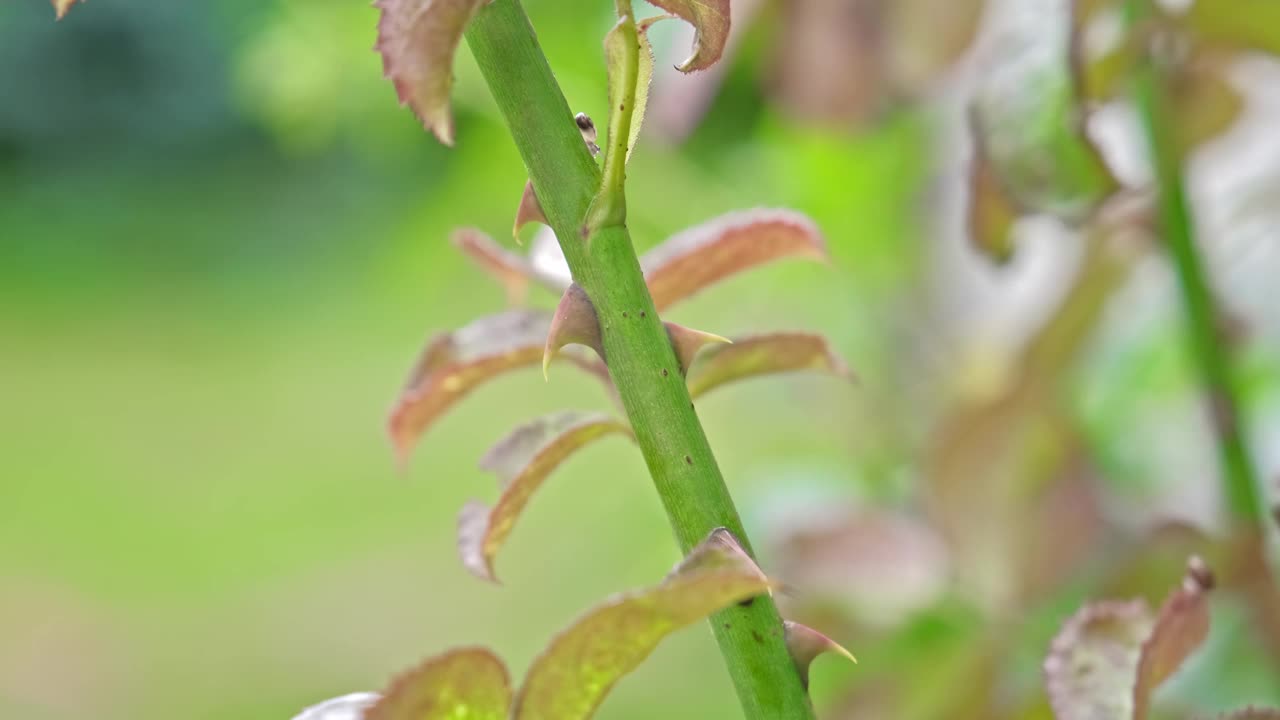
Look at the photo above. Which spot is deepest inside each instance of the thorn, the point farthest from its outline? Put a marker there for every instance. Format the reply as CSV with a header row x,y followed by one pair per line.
x,y
529,210
687,342
575,322
804,643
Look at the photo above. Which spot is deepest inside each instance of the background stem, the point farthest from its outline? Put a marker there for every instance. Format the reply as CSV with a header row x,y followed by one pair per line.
x,y
1211,351
640,357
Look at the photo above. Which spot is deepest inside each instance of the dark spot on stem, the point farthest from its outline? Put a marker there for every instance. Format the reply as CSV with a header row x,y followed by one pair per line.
x,y
747,603
688,460
757,636
664,372
727,626
622,106
624,314
642,314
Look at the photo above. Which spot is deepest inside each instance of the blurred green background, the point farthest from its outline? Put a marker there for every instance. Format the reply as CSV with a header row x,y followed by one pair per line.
x,y
222,244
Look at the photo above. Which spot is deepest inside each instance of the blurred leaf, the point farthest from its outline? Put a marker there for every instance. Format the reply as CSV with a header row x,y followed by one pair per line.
x,y
804,643
60,7
1251,24
455,363
991,211
1032,127
522,461
882,565
710,21
927,38
1111,656
763,355
346,707
828,64
1091,667
467,683
1206,102
1181,626
704,254
417,40
575,323
510,270
687,342
571,677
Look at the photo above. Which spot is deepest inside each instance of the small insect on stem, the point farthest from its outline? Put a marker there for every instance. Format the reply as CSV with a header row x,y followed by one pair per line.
x,y
588,130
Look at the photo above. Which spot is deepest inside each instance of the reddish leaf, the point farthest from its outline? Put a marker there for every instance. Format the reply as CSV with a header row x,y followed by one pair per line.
x,y
710,21
804,643
522,461
453,364
417,40
699,256
1206,101
467,683
575,322
60,7
883,566
1181,626
511,270
1111,656
687,342
762,355
573,675
1094,659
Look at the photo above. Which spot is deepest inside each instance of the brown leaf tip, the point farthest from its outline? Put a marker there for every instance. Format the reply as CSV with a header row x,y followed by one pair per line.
x,y
1199,577
574,322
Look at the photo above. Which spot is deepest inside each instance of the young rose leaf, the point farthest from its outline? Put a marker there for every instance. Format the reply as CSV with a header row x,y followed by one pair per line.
x,y
522,461
417,40
1111,656
762,355
687,342
644,79
622,59
467,683
991,212
453,364
530,210
804,643
60,7
704,254
573,675
1094,659
575,322
1032,126
512,271
346,707
1181,626
710,21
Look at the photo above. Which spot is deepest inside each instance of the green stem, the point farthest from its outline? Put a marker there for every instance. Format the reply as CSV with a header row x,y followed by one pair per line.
x,y
641,360
1239,475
